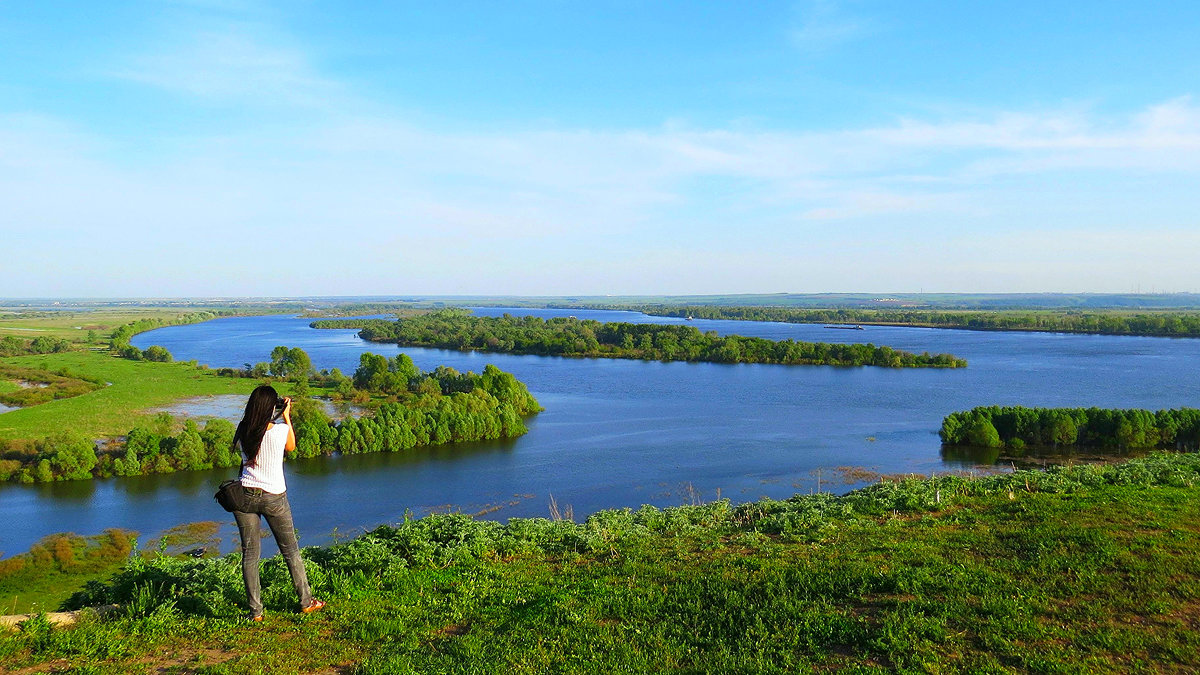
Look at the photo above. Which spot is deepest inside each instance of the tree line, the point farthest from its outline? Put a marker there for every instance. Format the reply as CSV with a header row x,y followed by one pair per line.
x,y
1017,427
42,344
459,329
415,408
1168,324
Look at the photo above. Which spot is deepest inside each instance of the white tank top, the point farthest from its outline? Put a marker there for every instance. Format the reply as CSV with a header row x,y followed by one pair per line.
x,y
267,471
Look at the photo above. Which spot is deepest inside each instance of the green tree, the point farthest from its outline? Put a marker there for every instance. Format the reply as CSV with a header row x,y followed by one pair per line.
x,y
218,442
70,456
190,454
291,363
157,353
1063,430
982,433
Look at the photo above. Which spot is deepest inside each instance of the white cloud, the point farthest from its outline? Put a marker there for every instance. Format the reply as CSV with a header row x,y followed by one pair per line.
x,y
825,24
379,204
204,54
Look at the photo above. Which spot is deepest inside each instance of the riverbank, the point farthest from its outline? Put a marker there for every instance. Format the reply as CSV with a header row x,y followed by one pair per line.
x,y
1079,569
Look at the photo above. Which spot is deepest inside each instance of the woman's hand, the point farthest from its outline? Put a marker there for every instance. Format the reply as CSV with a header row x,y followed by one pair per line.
x,y
290,444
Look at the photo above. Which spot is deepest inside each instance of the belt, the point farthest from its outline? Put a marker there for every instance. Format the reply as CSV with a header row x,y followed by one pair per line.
x,y
254,491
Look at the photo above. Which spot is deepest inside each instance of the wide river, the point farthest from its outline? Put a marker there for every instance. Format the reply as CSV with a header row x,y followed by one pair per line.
x,y
619,433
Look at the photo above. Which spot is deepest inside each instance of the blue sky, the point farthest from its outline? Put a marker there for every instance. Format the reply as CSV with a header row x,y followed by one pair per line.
x,y
237,148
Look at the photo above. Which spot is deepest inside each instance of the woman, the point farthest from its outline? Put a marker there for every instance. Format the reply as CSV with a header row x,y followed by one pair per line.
x,y
263,443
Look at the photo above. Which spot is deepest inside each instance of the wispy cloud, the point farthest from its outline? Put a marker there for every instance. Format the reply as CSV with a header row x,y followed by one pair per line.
x,y
223,53
555,181
826,24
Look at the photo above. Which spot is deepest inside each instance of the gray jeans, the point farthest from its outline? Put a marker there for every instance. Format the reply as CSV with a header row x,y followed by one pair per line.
x,y
278,512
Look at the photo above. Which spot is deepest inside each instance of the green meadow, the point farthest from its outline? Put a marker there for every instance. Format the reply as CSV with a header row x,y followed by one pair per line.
x,y
136,389
75,324
1088,569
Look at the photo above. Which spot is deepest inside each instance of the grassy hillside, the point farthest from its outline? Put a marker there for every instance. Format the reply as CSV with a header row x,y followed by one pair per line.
x,y
137,386
1085,569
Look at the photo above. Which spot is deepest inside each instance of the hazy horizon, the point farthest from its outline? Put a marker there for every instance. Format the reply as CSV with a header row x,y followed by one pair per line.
x,y
1178,300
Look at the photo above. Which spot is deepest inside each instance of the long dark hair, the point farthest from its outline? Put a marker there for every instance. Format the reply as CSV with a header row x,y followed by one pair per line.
x,y
260,410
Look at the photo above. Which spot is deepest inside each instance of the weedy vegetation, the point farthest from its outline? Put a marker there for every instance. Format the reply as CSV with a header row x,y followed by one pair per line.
x,y
1076,569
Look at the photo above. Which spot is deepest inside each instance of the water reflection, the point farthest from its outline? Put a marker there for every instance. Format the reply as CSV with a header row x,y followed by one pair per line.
x,y
372,463
970,456
184,482
78,491
963,456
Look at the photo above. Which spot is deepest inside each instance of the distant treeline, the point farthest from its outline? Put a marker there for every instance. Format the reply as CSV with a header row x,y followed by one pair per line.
x,y
363,308
1017,427
458,329
1171,324
421,408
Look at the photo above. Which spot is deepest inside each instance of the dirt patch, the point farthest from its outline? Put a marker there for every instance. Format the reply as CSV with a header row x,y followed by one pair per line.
x,y
187,660
55,618
1188,614
61,665
453,630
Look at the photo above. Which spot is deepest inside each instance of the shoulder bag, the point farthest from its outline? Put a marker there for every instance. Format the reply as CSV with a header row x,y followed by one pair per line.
x,y
231,496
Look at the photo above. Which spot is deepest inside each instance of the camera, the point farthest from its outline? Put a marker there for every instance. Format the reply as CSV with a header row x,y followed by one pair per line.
x,y
280,405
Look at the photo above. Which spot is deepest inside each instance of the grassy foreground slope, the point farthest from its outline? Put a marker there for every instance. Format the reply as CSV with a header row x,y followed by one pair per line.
x,y
137,386
1084,569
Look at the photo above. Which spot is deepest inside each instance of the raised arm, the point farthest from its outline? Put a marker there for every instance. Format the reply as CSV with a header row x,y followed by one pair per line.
x,y
290,444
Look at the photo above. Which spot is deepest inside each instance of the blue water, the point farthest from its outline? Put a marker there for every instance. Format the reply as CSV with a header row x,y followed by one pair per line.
x,y
619,433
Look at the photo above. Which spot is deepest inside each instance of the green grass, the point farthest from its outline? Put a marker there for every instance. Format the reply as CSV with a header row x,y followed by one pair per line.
x,y
44,591
137,387
74,325
7,386
1086,570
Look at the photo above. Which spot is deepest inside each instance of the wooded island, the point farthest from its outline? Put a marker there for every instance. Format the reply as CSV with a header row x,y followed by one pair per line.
x,y
461,330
